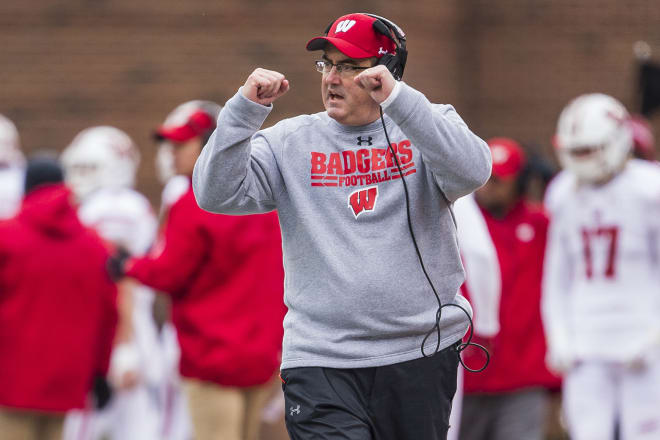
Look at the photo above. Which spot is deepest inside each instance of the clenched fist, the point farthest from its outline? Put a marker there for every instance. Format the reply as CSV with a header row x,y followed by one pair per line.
x,y
265,86
377,81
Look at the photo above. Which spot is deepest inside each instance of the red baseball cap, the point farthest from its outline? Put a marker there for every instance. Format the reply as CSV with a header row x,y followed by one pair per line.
x,y
187,121
354,36
508,157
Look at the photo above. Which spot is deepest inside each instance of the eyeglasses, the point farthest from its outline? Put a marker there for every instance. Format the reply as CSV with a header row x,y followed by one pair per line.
x,y
343,69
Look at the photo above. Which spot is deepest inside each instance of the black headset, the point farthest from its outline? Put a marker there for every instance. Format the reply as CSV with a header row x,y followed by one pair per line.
x,y
395,62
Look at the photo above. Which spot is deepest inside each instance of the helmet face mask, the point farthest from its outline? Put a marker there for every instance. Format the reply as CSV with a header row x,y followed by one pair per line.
x,y
83,177
100,157
593,138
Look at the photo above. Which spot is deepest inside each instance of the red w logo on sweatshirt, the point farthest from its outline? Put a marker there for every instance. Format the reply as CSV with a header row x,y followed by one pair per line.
x,y
363,200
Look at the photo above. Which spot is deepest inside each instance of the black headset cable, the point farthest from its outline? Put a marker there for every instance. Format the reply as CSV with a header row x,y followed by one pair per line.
x,y
438,315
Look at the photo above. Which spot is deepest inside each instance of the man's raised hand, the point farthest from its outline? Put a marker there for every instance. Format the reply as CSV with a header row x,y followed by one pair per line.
x,y
377,81
265,86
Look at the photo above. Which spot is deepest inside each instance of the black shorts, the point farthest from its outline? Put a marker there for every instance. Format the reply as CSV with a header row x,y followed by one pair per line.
x,y
406,401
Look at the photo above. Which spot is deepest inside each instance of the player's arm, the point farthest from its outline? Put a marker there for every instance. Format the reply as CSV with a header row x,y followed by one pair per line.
x,y
237,173
107,327
557,280
459,160
125,358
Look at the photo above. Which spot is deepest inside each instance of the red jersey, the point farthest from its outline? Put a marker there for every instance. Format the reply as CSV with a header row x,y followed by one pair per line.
x,y
225,276
518,349
57,305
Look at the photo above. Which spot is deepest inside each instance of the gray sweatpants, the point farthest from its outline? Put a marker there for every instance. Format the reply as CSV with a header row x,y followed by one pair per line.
x,y
518,415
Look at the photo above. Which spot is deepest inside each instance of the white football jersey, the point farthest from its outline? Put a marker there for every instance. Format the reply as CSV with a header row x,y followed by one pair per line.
x,y
11,190
561,186
173,190
122,216
601,287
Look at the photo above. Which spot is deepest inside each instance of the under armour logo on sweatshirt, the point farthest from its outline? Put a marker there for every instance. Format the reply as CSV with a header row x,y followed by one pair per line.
x,y
295,410
366,141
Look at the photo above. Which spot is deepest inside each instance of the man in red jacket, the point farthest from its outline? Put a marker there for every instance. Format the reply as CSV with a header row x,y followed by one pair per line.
x,y
508,400
226,280
57,309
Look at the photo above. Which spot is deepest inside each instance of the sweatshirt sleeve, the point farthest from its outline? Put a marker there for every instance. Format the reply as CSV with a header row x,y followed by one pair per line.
x,y
459,160
178,254
237,172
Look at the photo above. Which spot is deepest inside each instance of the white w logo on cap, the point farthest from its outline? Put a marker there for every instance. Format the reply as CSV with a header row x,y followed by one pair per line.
x,y
344,25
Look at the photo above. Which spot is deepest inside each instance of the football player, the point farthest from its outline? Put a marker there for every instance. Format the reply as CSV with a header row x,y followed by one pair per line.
x,y
600,293
101,165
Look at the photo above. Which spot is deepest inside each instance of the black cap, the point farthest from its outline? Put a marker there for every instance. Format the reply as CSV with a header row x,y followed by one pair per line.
x,y
41,171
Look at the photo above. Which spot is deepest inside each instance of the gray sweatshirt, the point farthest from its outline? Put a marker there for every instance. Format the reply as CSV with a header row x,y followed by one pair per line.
x,y
356,293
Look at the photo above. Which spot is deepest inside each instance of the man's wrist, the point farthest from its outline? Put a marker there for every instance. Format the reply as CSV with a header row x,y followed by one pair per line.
x,y
393,94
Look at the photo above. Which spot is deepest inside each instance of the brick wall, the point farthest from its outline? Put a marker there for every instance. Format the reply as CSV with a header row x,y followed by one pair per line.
x,y
508,66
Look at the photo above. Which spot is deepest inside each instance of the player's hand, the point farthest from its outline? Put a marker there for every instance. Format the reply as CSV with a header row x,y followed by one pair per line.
x,y
124,366
116,263
127,380
265,86
377,81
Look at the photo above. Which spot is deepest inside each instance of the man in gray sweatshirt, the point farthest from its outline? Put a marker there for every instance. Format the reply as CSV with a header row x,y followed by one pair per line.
x,y
355,361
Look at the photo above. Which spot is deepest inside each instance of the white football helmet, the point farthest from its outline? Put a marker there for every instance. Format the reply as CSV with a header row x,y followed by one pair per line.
x,y
100,157
594,137
10,147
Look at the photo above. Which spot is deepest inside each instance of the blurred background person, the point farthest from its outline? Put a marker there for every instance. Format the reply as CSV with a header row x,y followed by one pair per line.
x,y
174,185
502,237
11,169
225,278
101,164
600,287
58,309
643,148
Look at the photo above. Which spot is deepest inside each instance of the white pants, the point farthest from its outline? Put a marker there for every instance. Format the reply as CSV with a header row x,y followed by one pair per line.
x,y
596,394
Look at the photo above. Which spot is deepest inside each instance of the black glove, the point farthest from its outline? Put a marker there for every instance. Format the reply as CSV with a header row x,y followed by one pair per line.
x,y
116,263
101,392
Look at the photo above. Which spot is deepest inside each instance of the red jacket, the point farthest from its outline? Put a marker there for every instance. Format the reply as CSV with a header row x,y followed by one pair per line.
x,y
57,305
225,277
518,350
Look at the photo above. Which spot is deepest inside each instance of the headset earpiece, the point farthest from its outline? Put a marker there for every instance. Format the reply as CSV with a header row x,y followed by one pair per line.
x,y
380,27
395,62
